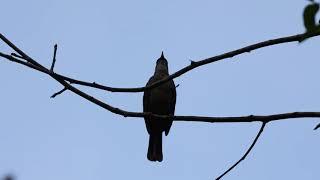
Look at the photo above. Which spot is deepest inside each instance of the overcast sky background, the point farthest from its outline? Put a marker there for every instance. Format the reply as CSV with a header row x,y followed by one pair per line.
x,y
116,43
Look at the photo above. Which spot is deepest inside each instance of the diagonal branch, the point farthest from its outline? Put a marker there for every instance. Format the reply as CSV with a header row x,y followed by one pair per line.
x,y
247,152
193,64
19,51
58,93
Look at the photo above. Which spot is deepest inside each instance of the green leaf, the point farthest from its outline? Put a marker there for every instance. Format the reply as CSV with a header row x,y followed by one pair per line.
x,y
309,18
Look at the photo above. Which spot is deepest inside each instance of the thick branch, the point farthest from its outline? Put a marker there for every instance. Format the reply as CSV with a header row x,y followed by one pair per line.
x,y
193,64
247,152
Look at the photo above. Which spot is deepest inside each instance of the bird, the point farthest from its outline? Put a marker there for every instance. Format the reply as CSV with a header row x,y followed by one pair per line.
x,y
160,100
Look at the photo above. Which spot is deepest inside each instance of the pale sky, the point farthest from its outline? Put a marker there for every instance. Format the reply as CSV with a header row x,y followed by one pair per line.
x,y
116,43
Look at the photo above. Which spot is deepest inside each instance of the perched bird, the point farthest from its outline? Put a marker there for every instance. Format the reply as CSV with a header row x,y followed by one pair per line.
x,y
160,100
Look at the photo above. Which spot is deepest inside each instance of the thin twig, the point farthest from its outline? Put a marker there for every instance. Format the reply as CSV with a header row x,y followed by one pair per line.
x,y
58,93
247,152
16,55
54,57
318,126
184,70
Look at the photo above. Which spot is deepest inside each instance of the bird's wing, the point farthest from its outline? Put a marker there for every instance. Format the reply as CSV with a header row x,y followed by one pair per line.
x,y
174,97
172,104
146,101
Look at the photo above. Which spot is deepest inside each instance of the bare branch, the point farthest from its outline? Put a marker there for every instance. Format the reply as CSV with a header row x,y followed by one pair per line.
x,y
54,57
25,56
250,118
124,113
318,126
58,93
67,86
16,55
13,59
184,70
247,152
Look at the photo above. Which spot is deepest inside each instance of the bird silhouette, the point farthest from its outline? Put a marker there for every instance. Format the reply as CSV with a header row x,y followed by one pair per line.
x,y
160,100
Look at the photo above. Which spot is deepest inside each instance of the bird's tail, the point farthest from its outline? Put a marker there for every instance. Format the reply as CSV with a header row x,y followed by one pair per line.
x,y
155,147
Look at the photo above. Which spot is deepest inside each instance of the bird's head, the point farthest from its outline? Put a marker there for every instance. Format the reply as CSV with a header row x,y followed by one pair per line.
x,y
162,65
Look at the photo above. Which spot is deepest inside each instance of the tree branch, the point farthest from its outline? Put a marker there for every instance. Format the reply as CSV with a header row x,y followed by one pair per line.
x,y
247,152
251,118
54,57
193,64
124,113
24,55
58,93
31,63
16,55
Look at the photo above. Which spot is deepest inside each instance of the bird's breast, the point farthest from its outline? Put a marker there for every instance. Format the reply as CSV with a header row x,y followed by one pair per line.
x,y
160,99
